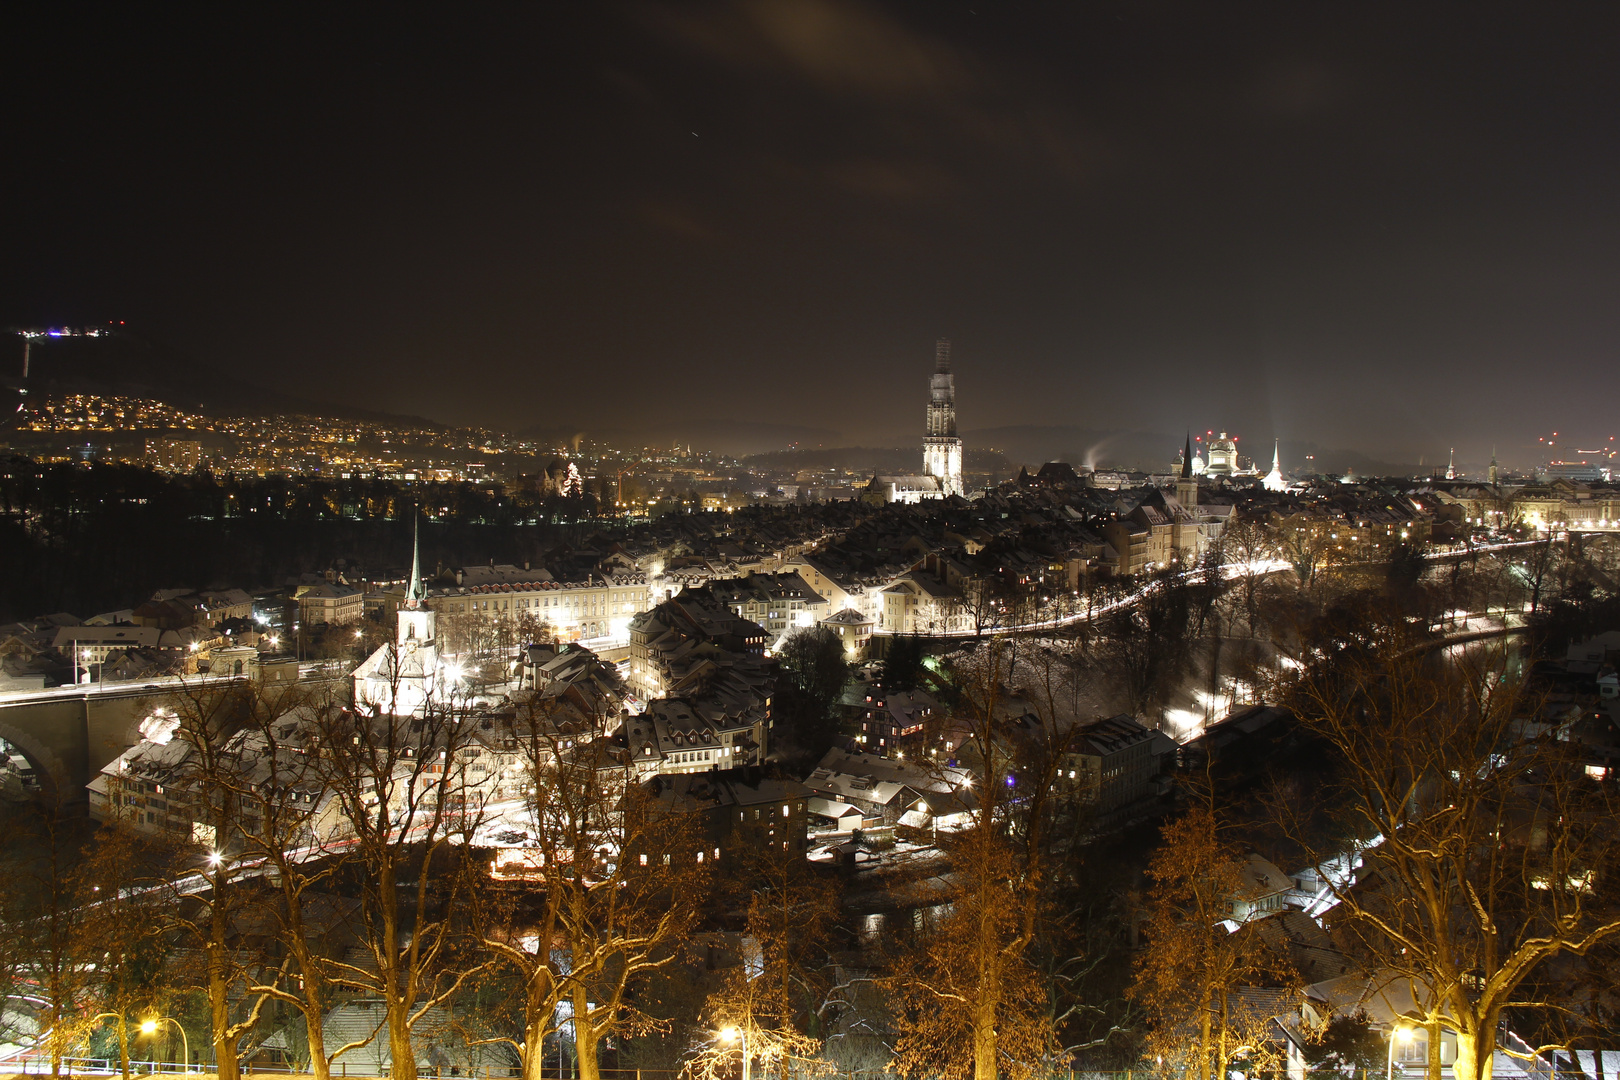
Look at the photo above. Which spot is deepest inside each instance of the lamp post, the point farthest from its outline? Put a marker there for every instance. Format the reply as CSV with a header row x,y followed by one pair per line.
x,y
1404,1034
149,1027
732,1033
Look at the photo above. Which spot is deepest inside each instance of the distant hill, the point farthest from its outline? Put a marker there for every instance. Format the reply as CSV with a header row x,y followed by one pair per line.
x,y
126,364
732,437
901,459
1033,444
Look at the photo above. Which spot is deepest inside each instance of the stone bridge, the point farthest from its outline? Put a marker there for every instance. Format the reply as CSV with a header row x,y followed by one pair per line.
x,y
69,733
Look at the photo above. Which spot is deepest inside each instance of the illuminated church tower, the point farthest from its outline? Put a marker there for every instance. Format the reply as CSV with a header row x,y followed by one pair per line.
x,y
402,678
416,619
942,449
1274,479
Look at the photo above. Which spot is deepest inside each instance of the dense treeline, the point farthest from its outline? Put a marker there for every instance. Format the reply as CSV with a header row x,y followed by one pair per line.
x,y
89,539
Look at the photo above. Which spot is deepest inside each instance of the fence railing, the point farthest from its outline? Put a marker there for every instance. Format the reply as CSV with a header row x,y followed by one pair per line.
x,y
34,1065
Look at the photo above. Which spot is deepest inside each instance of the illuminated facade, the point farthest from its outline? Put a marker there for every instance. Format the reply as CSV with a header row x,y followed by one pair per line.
x,y
1223,456
596,609
778,602
942,449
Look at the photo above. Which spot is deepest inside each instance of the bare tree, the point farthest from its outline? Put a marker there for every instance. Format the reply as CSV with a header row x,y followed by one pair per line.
x,y
43,905
1483,846
1249,544
1189,974
120,930
775,1001
1146,648
286,823
207,879
614,884
971,1004
971,981
1534,565
401,790
1307,549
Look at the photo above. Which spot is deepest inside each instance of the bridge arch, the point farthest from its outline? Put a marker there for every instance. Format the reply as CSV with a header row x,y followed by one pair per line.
x,y
54,777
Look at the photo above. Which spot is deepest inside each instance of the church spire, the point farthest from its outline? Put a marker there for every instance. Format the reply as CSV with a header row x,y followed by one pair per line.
x,y
1186,459
1451,465
413,595
1273,480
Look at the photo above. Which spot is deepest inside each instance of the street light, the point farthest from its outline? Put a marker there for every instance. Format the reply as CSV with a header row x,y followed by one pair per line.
x,y
731,1033
1404,1034
149,1027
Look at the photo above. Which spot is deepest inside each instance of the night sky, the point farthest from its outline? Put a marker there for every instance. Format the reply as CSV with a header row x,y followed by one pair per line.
x,y
1384,227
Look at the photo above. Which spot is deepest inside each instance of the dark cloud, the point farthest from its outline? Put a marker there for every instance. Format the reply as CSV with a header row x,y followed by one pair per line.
x,y
843,48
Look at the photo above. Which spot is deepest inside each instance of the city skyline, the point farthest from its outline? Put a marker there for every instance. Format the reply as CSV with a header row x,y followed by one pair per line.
x,y
67,390
1362,230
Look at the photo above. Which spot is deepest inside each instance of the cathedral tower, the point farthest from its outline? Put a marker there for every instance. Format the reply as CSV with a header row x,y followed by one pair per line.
x,y
942,449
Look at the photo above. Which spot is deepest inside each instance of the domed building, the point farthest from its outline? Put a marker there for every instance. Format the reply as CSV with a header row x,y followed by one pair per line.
x,y
1223,456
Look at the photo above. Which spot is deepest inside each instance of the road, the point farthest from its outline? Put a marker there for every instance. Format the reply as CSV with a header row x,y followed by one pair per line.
x,y
1259,567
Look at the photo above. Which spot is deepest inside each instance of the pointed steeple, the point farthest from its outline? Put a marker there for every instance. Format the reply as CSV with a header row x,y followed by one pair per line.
x,y
1273,480
1451,465
1493,465
414,595
1186,485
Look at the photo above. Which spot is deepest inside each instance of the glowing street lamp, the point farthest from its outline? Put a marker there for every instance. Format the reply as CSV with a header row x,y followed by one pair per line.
x,y
731,1033
150,1026
1404,1035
